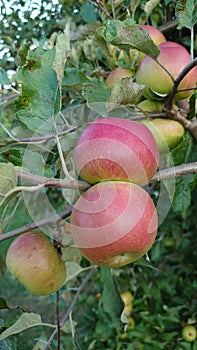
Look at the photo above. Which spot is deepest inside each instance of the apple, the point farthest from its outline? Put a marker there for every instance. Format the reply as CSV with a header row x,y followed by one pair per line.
x,y
117,74
116,149
189,333
114,223
168,133
174,57
155,35
151,106
33,260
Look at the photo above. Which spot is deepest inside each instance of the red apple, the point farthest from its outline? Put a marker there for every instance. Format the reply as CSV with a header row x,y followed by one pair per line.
x,y
116,149
174,57
114,223
155,34
117,74
33,260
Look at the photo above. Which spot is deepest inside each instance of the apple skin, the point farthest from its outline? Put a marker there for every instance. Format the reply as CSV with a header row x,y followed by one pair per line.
x,y
174,57
189,333
151,106
114,223
167,133
117,74
116,149
155,35
33,260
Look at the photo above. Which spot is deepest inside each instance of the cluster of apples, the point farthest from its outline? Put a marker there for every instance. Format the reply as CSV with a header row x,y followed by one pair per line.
x,y
115,221
172,58
32,259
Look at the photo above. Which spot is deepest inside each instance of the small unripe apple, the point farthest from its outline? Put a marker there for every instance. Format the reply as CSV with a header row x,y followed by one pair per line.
x,y
114,223
127,299
151,106
189,333
117,74
167,133
33,260
116,149
155,35
174,57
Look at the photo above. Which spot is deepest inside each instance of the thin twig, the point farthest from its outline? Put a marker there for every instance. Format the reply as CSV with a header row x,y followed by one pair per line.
x,y
52,182
179,170
58,319
183,73
37,224
69,310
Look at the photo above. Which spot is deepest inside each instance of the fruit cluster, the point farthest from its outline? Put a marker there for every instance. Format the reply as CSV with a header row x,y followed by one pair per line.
x,y
158,78
115,221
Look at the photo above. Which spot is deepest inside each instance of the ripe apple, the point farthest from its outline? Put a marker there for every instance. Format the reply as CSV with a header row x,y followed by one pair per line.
x,y
116,149
114,223
174,57
117,74
167,133
33,260
189,333
155,35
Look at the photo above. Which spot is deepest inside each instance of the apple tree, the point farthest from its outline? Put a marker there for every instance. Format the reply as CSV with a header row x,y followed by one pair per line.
x,y
98,174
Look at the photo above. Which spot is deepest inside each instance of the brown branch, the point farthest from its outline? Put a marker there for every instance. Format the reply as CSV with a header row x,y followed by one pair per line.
x,y
37,224
69,310
179,170
183,73
52,182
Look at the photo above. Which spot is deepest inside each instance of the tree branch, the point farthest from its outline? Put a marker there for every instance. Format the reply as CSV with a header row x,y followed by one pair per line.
x,y
69,310
52,182
183,73
51,220
179,170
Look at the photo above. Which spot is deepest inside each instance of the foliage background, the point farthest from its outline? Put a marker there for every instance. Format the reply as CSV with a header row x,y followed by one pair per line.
x,y
164,291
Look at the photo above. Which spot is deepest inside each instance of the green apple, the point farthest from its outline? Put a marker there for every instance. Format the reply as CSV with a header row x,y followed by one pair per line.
x,y
174,57
151,106
33,260
116,149
189,333
114,223
116,75
167,133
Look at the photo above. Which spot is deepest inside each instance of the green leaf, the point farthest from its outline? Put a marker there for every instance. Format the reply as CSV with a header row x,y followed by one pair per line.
x,y
8,344
39,90
124,92
149,6
97,97
126,35
182,197
3,304
88,13
112,302
8,179
41,343
25,321
3,77
145,263
62,49
73,269
186,13
75,79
